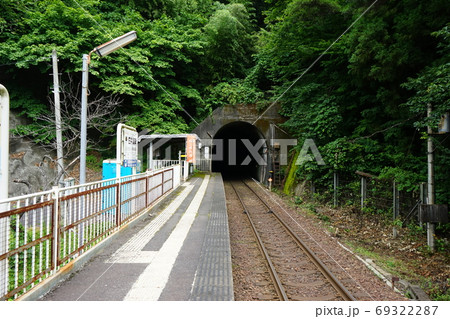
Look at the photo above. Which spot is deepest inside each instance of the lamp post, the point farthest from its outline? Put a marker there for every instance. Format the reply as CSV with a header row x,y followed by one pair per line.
x,y
101,50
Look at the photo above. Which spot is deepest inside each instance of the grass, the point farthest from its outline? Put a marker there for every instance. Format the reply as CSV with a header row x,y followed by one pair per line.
x,y
392,265
199,174
402,269
94,162
395,264
21,264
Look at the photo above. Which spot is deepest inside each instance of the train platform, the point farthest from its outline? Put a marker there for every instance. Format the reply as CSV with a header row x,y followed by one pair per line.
x,y
178,251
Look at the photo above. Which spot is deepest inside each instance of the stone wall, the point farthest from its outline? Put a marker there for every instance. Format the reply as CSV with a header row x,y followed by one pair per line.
x,y
29,169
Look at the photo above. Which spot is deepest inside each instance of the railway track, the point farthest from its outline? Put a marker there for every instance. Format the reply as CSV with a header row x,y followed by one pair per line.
x,y
296,272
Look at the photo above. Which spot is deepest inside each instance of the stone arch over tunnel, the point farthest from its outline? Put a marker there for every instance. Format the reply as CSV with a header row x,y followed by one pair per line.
x,y
240,150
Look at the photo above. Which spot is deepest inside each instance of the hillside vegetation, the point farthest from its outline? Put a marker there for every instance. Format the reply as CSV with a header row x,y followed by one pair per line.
x,y
363,102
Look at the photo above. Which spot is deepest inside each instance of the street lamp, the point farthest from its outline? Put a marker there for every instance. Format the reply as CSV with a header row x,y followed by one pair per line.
x,y
117,43
101,50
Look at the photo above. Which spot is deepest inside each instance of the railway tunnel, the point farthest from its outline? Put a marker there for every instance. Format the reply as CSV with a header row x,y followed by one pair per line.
x,y
239,150
228,127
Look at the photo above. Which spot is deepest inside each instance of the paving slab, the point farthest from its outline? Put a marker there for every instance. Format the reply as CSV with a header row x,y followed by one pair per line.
x,y
178,251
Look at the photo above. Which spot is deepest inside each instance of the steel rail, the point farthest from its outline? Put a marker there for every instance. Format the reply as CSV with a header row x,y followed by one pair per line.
x,y
337,285
272,272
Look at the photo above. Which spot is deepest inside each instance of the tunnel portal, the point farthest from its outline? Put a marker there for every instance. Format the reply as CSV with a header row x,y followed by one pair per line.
x,y
240,151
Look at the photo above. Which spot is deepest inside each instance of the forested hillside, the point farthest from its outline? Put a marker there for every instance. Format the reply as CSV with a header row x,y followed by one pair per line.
x,y
363,102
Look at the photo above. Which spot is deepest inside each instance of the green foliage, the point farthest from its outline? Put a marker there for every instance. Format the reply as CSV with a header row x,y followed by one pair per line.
x,y
415,230
23,261
229,43
93,162
235,91
405,180
432,86
353,102
164,52
364,102
291,176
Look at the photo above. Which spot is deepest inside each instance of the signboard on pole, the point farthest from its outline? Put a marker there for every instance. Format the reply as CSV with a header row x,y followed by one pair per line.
x,y
127,146
4,180
4,142
130,149
190,148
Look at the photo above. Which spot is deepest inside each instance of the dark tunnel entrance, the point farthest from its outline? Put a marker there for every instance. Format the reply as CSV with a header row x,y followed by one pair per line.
x,y
239,151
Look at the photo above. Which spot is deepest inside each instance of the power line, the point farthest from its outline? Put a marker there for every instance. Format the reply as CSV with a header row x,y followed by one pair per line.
x,y
139,65
315,61
41,59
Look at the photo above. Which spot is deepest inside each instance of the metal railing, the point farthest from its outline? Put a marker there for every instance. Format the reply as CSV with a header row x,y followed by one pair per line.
x,y
40,233
203,165
156,164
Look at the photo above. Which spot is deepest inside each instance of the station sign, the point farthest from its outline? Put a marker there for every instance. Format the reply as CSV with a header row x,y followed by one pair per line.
x,y
127,146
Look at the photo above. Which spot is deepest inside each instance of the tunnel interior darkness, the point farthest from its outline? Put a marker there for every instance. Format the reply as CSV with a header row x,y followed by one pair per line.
x,y
237,161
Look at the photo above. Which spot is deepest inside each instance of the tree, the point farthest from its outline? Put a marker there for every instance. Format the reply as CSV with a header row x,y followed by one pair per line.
x,y
148,76
229,42
352,100
102,119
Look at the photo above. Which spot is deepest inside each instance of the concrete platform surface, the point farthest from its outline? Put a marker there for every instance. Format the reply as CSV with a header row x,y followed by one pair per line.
x,y
178,251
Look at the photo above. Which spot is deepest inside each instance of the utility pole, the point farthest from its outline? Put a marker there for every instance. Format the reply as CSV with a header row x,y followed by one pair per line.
x,y
84,96
59,146
431,199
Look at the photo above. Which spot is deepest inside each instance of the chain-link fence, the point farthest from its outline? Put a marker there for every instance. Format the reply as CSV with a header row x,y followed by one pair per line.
x,y
367,193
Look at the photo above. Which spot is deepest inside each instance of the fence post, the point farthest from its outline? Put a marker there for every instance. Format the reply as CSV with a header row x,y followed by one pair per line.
x,y
146,189
56,226
335,188
423,198
118,203
4,240
162,182
363,191
173,177
395,206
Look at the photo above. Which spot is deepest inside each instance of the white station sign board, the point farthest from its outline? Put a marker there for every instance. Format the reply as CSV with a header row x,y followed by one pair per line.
x,y
127,146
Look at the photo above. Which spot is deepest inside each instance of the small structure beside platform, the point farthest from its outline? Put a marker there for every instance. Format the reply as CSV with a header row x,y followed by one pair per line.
x,y
166,149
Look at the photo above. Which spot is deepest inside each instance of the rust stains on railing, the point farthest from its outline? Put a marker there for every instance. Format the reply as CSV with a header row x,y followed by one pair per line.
x,y
48,229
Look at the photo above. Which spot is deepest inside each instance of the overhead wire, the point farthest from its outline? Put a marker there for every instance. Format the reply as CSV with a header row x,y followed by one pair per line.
x,y
315,61
139,65
41,59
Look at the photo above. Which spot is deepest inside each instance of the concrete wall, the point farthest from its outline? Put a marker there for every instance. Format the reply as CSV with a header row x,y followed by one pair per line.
x,y
240,112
